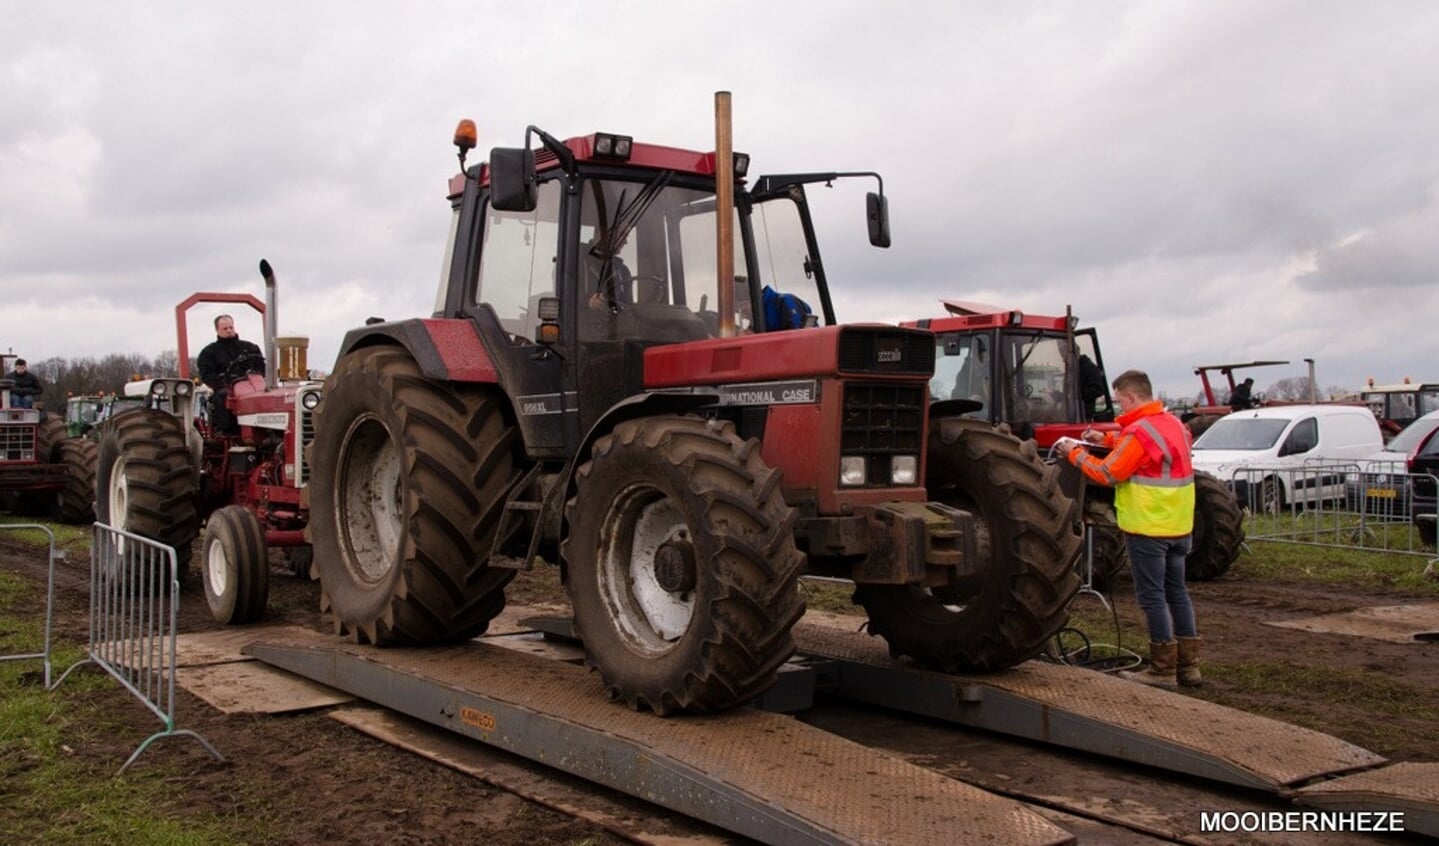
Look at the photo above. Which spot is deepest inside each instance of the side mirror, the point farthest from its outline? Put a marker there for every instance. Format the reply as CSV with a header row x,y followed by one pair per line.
x,y
512,180
877,211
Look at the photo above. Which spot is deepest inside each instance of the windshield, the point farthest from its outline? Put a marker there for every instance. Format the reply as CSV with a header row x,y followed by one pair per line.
x,y
1033,369
1252,433
646,260
1413,435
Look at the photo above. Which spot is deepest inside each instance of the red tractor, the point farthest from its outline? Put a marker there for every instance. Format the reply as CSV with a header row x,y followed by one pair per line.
x,y
1042,378
599,387
43,472
1202,416
163,470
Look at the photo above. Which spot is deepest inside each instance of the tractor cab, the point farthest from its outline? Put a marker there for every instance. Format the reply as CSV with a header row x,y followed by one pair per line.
x,y
1039,374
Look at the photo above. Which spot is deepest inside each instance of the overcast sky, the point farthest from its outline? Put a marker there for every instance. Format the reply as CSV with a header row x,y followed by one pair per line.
x,y
1204,181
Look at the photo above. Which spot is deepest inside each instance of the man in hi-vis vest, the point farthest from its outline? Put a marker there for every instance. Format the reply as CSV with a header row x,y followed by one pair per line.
x,y
1149,468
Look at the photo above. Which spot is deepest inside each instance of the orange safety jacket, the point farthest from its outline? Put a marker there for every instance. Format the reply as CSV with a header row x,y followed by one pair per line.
x,y
1150,470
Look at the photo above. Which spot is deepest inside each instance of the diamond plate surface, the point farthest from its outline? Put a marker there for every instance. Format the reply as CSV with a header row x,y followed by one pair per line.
x,y
1275,751
859,794
1412,780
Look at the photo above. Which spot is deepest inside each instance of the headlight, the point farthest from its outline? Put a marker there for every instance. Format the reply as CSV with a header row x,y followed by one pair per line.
x,y
904,470
310,400
182,389
852,472
159,389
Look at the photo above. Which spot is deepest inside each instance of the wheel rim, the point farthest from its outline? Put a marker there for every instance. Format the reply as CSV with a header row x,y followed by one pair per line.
x,y
370,510
217,567
648,617
119,494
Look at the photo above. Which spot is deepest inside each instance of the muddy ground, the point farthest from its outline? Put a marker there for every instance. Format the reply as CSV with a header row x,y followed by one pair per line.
x,y
314,780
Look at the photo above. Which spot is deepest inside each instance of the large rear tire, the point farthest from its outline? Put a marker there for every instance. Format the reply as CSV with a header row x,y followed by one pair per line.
x,y
144,482
75,503
235,565
1028,544
1218,529
681,565
409,482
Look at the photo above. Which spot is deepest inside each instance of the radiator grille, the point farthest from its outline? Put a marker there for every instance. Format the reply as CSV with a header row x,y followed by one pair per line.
x,y
305,425
881,421
17,443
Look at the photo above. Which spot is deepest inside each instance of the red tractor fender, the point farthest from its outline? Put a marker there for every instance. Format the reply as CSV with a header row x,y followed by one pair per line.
x,y
444,348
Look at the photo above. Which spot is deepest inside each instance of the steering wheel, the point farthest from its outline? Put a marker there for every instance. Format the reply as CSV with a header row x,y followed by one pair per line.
x,y
1026,390
243,366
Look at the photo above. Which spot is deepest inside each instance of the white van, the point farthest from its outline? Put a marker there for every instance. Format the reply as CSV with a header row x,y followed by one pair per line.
x,y
1288,454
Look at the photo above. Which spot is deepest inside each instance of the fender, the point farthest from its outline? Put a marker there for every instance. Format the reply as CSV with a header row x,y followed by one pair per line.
x,y
447,349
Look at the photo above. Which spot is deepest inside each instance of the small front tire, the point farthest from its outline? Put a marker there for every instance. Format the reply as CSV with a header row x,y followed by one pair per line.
x,y
236,566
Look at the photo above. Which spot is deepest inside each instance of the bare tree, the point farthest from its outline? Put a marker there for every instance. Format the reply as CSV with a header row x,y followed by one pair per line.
x,y
64,378
1290,389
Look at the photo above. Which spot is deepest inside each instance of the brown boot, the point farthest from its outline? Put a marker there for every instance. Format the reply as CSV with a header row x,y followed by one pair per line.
x,y
1161,670
1188,667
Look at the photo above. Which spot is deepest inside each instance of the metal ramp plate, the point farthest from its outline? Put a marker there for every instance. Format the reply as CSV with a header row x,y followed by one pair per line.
x,y
1411,788
1094,712
761,775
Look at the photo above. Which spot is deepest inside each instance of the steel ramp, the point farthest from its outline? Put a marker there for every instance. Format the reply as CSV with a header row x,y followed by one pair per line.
x,y
1411,788
761,775
1090,711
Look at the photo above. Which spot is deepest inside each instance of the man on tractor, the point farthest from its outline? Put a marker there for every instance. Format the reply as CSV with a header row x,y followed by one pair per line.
x,y
222,362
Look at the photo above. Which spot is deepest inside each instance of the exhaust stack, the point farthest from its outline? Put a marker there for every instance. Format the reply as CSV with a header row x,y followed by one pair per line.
x,y
272,306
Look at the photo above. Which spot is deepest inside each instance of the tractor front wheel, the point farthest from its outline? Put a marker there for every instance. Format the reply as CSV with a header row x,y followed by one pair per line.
x,y
236,566
410,476
681,565
1028,543
144,482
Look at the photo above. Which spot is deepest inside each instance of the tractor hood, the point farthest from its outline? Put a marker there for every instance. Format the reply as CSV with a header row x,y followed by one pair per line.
x,y
864,349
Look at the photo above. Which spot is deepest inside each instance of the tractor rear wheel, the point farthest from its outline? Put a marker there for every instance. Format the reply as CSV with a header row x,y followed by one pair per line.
x,y
236,566
75,503
409,482
681,565
1028,544
1218,529
144,482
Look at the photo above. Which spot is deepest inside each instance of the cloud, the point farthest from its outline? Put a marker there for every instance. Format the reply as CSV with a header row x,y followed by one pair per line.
x,y
1202,181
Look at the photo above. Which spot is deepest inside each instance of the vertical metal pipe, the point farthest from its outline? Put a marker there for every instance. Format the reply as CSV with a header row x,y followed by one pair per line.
x,y
1313,388
272,320
724,213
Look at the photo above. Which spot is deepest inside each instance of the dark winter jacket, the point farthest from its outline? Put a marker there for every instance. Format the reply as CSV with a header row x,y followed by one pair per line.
x,y
27,384
215,361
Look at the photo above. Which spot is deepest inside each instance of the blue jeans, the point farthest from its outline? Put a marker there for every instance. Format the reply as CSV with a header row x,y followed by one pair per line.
x,y
1158,568
26,401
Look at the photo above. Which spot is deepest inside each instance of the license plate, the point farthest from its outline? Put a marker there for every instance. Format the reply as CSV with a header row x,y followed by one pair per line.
x,y
1381,493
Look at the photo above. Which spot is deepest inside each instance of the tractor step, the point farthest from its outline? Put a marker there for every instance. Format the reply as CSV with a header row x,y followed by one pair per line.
x,y
754,773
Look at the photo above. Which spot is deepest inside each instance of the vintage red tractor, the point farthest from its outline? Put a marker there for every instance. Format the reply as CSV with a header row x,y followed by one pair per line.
x,y
164,470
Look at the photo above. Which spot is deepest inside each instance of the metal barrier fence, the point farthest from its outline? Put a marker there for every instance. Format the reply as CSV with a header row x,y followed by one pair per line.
x,y
134,603
55,555
1340,505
